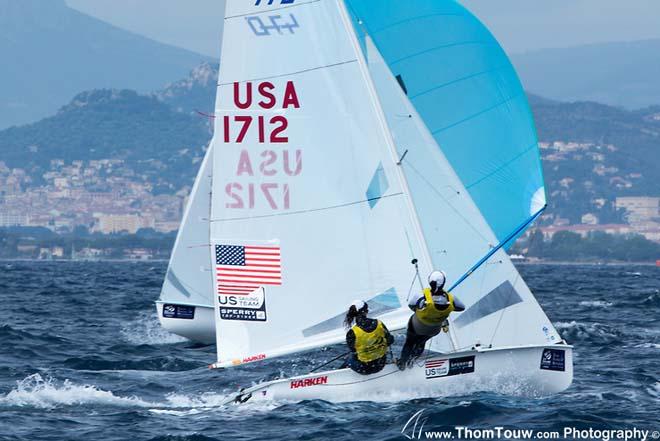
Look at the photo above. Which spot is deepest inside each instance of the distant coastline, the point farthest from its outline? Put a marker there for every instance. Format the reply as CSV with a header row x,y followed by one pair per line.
x,y
585,262
515,262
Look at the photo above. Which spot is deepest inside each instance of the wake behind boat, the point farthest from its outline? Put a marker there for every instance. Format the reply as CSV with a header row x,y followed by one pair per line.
x,y
351,138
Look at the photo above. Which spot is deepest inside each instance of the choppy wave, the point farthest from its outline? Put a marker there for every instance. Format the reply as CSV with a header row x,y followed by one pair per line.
x,y
191,437
577,331
132,363
14,335
110,361
146,329
47,393
596,303
41,392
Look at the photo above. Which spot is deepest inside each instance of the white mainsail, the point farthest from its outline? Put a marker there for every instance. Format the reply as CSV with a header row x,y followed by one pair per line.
x,y
308,165
189,277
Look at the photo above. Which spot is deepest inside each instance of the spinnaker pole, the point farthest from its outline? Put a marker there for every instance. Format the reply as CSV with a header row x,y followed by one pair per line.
x,y
495,249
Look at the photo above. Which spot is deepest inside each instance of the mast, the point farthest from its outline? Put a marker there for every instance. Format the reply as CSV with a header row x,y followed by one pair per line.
x,y
412,212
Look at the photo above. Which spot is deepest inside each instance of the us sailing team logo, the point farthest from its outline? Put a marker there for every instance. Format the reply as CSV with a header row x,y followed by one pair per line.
x,y
443,367
242,271
436,368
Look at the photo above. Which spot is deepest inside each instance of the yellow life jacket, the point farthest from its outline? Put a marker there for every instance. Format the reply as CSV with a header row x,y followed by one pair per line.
x,y
430,315
370,346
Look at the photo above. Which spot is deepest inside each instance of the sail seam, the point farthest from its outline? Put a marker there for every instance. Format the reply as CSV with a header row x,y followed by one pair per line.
x,y
511,98
419,17
311,210
458,80
271,10
444,46
501,167
311,69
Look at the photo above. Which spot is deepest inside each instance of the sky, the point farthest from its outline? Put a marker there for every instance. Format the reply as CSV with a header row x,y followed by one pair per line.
x,y
519,25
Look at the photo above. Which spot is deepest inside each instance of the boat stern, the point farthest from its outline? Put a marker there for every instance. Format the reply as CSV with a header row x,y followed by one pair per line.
x,y
194,322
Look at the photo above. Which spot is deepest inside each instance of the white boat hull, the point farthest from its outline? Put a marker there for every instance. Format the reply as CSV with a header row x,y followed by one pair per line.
x,y
200,328
510,371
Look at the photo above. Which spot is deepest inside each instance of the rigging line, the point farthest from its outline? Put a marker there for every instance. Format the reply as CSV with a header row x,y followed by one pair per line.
x,y
328,362
271,10
311,210
454,209
370,378
311,69
207,115
411,285
496,248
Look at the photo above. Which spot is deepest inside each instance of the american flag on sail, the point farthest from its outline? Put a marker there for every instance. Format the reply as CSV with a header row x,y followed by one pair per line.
x,y
240,269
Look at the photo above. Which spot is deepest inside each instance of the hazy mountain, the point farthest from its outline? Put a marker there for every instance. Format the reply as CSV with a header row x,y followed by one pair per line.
x,y
618,74
194,93
51,52
148,134
161,138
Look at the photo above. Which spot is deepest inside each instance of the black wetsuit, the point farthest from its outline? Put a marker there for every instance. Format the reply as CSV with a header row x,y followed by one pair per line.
x,y
371,367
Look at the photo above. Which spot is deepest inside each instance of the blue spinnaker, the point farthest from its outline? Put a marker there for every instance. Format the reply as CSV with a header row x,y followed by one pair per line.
x,y
465,89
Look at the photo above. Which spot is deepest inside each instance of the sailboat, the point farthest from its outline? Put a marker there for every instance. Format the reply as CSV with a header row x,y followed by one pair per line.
x,y
353,138
185,306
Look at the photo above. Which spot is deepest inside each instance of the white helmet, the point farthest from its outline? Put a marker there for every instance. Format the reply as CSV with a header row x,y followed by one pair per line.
x,y
438,277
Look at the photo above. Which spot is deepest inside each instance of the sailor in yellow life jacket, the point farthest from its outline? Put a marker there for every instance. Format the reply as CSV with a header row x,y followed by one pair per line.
x,y
431,308
368,339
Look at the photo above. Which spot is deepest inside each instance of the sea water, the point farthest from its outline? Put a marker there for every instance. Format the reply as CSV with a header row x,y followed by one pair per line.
x,y
83,357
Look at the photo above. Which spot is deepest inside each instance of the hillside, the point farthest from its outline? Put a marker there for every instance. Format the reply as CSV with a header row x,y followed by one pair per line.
x,y
141,130
54,52
614,152
587,73
592,153
194,93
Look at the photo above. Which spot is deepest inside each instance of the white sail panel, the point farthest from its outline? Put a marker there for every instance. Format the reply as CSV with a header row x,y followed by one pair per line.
x,y
189,278
501,310
305,166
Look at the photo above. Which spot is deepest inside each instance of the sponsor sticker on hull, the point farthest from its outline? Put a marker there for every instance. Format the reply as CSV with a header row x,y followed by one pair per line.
x,y
248,359
178,311
553,360
445,367
436,368
306,382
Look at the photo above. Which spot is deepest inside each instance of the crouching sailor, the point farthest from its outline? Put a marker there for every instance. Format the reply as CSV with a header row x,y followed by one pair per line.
x,y
431,310
368,339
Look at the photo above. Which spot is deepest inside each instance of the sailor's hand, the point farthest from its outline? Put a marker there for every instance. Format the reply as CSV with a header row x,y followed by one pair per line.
x,y
421,303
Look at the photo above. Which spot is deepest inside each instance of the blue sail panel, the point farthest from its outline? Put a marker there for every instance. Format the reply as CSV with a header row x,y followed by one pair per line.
x,y
469,96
